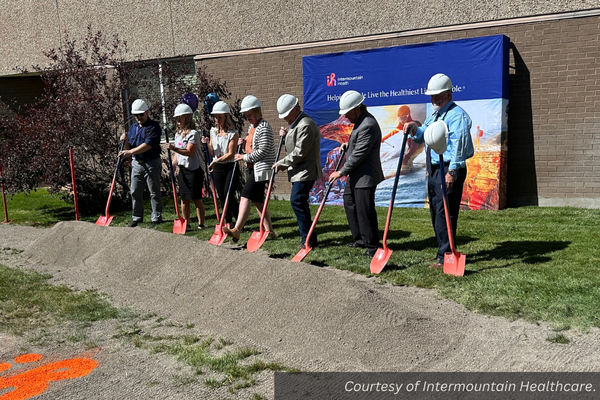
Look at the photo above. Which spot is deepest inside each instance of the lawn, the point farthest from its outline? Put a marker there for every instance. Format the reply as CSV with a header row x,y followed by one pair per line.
x,y
539,264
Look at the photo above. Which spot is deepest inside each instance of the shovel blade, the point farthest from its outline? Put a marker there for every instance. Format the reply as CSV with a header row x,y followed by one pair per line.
x,y
219,236
454,263
302,253
256,240
104,220
380,259
179,226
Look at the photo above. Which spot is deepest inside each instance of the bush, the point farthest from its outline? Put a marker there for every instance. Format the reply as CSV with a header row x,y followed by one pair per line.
x,y
88,88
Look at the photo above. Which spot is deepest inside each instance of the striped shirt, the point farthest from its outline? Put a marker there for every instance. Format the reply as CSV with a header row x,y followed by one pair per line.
x,y
263,151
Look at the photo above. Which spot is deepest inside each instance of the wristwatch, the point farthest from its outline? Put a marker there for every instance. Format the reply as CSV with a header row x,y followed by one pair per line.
x,y
452,173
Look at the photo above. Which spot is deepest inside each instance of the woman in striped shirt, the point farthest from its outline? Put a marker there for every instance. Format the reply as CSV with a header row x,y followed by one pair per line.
x,y
260,157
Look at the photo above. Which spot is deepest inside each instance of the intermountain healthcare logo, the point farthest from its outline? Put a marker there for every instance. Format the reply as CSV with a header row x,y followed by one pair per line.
x,y
331,80
36,381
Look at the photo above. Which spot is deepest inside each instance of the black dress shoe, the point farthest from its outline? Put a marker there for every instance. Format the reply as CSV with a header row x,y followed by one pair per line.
x,y
370,252
154,224
132,224
356,245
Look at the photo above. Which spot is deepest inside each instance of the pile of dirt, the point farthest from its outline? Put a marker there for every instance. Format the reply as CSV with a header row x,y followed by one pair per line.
x,y
308,317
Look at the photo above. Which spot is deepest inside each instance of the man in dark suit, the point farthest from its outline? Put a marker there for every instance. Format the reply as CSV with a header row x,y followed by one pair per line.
x,y
363,168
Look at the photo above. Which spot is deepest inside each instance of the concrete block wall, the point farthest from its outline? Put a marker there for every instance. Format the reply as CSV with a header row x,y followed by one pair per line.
x,y
554,111
171,28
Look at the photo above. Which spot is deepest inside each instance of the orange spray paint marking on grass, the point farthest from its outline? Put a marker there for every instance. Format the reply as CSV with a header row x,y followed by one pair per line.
x,y
35,381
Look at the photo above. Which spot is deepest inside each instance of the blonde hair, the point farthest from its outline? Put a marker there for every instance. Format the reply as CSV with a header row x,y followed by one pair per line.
x,y
187,126
257,112
228,125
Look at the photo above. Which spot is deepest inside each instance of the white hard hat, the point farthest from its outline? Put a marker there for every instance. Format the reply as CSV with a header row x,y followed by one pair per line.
x,y
285,104
248,103
437,84
350,100
436,136
183,109
221,107
139,107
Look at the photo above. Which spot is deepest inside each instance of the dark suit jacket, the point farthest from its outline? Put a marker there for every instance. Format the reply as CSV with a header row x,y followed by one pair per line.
x,y
363,162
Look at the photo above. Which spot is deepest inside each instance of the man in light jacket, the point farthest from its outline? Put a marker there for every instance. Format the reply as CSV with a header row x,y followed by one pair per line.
x,y
302,162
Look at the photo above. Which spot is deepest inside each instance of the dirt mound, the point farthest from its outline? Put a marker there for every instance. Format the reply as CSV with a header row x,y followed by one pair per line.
x,y
309,317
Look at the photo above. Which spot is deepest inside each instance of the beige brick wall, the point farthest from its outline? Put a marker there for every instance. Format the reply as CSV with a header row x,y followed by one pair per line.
x,y
554,116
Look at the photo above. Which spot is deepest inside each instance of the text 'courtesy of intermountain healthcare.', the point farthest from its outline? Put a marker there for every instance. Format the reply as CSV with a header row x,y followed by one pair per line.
x,y
434,385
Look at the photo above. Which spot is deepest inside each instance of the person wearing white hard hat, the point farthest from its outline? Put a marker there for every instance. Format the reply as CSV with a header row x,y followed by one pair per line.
x,y
302,160
187,155
458,149
142,143
259,159
363,169
222,146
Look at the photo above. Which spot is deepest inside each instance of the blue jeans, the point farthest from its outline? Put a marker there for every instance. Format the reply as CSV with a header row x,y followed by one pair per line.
x,y
146,174
299,201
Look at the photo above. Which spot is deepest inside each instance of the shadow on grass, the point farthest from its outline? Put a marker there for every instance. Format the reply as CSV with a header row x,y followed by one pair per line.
x,y
527,252
429,243
58,213
390,266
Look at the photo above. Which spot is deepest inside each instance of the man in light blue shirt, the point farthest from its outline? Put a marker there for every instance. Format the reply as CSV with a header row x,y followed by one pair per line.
x,y
459,149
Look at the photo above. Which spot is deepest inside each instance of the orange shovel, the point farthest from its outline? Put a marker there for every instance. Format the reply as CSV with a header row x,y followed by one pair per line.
x,y
219,236
306,249
258,237
106,219
179,224
382,256
454,262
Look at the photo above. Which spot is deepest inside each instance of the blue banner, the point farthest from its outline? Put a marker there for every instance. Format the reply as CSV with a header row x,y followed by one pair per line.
x,y
399,75
393,81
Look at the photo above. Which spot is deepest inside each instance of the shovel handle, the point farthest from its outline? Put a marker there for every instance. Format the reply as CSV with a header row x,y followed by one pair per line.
x,y
318,214
172,175
268,195
210,177
226,205
393,198
112,185
445,198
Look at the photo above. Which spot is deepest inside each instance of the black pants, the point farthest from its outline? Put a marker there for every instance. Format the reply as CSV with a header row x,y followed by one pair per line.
x,y
222,176
436,207
359,205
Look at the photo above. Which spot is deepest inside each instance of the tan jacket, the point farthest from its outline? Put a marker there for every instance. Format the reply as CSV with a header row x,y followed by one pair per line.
x,y
303,148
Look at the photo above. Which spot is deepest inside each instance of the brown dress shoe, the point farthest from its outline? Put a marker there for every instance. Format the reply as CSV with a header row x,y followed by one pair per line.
x,y
272,235
234,233
436,265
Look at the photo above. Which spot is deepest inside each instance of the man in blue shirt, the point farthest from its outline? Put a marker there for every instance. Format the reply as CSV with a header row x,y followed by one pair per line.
x,y
459,149
142,143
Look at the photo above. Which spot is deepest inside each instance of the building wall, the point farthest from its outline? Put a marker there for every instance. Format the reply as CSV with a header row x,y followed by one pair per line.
x,y
170,28
554,107
554,110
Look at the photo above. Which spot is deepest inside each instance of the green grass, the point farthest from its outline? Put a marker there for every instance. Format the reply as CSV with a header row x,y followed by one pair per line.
x,y
539,264
236,366
28,301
